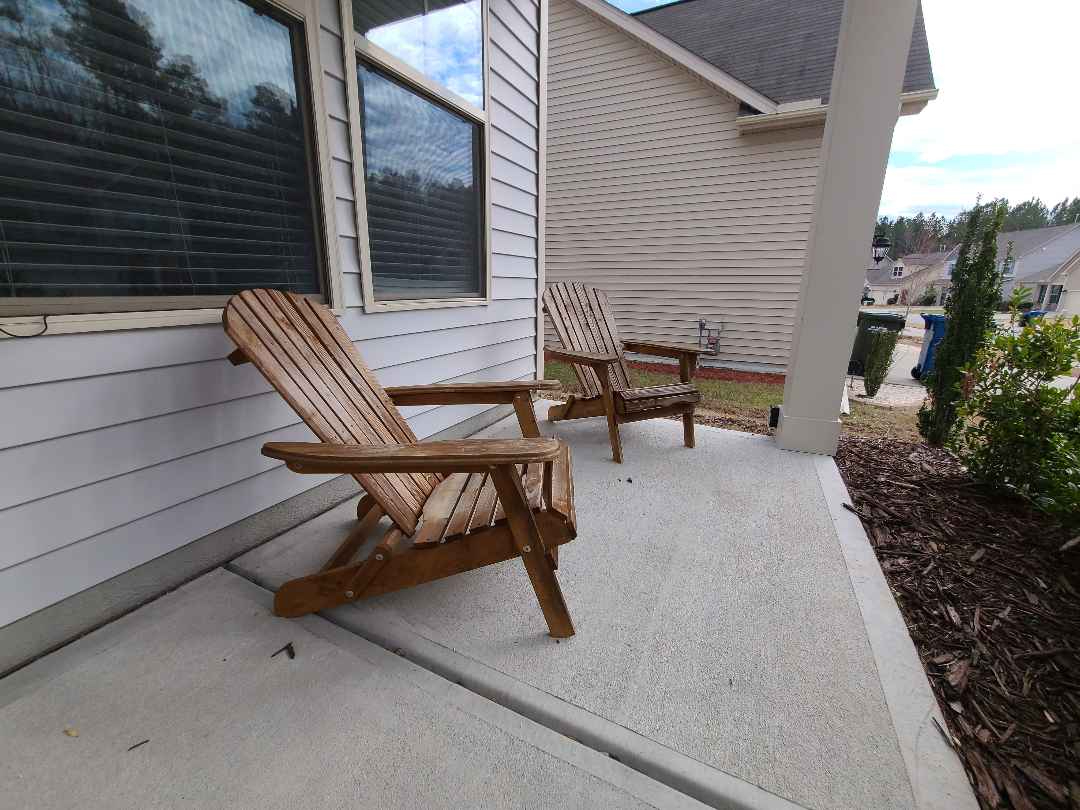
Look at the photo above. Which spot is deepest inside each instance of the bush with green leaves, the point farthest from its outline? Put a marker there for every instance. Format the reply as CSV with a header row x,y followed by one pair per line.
x,y
928,298
879,357
975,292
1017,430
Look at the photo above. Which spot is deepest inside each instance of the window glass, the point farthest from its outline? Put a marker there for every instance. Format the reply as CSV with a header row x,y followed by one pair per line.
x,y
422,171
151,148
443,39
1055,294
1042,294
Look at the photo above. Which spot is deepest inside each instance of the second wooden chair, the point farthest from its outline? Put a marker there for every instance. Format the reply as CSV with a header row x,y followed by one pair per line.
x,y
590,342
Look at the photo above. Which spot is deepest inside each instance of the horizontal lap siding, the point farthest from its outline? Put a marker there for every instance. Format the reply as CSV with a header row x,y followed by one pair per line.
x,y
654,196
118,447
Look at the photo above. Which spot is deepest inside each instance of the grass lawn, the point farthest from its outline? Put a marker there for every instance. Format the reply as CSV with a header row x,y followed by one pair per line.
x,y
745,405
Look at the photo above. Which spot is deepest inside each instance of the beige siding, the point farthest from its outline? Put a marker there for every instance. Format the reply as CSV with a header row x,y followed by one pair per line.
x,y
655,197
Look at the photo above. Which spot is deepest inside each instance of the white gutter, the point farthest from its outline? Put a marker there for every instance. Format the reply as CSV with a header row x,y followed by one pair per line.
x,y
805,114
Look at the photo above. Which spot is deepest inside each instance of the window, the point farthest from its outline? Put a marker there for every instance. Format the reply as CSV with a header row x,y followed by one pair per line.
x,y
152,150
1055,295
1042,294
1008,267
949,267
898,271
442,39
420,78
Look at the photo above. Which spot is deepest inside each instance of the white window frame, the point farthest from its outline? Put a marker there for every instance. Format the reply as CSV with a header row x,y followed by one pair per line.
x,y
898,271
415,80
136,312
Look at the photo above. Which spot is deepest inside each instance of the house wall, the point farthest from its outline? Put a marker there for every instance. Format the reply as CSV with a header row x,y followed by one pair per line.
x,y
655,197
119,447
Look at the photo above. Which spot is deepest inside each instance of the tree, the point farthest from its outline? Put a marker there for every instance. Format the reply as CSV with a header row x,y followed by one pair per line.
x,y
1027,215
976,289
1065,212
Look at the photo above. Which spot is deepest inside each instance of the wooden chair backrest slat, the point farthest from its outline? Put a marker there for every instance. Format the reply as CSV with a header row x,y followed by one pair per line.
x,y
584,322
302,351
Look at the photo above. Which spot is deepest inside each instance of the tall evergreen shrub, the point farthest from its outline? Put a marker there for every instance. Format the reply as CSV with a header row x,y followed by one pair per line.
x,y
976,290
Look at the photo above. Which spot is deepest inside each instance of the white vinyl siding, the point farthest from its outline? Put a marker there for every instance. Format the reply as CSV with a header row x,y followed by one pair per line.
x,y
654,196
118,447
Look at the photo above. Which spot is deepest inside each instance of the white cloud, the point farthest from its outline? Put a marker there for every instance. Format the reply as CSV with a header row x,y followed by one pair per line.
x,y
947,190
1007,78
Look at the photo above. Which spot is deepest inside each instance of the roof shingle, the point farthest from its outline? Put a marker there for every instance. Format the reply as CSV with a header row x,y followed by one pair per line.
x,y
782,49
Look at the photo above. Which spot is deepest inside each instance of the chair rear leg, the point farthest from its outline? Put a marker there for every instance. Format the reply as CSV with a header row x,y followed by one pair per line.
x,y
531,545
688,428
612,425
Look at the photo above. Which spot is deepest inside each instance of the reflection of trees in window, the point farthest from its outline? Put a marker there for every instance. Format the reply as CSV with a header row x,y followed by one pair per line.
x,y
163,179
424,231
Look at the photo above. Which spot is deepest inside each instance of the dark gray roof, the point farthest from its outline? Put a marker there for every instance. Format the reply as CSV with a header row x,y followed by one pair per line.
x,y
1038,259
880,273
782,49
925,259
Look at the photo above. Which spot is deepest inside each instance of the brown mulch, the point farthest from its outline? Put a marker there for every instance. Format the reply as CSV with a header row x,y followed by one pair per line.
x,y
993,605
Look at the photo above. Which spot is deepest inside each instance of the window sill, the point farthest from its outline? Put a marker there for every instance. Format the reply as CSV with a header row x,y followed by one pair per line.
x,y
30,325
425,303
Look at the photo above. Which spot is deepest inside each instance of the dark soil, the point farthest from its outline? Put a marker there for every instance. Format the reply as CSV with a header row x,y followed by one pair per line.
x,y
992,602
707,373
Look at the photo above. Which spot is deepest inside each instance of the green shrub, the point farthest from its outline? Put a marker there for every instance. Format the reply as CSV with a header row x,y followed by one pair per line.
x,y
975,292
879,357
928,298
1016,430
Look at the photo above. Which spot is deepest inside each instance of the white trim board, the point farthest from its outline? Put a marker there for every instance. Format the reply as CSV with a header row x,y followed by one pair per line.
x,y
704,70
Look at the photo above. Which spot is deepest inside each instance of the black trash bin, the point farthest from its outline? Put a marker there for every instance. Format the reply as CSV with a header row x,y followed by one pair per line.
x,y
893,321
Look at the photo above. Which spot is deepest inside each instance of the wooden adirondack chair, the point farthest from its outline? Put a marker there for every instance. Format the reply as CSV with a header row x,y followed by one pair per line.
x,y
590,342
453,505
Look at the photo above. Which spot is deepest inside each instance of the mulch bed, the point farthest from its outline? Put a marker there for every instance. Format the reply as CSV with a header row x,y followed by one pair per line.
x,y
993,605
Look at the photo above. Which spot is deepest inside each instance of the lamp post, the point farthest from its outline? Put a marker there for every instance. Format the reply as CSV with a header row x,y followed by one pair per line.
x,y
880,247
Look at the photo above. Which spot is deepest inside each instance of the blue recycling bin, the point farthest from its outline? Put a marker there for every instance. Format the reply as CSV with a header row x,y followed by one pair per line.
x,y
1030,315
935,331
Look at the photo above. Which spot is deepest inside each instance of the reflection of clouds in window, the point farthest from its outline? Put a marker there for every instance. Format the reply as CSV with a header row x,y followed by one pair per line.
x,y
404,132
196,32
194,48
445,44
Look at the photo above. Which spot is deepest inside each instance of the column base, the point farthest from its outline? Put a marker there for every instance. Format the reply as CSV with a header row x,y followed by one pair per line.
x,y
807,434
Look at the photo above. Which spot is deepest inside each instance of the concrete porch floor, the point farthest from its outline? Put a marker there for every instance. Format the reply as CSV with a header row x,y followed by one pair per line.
x,y
736,645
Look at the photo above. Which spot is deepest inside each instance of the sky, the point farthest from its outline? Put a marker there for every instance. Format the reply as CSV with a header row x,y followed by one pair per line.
x,y
1007,120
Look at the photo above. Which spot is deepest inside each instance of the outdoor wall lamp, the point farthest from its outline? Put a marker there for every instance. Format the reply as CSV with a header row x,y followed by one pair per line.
x,y
881,245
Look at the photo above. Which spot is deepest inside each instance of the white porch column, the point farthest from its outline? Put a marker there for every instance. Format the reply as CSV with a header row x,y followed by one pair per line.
x,y
864,104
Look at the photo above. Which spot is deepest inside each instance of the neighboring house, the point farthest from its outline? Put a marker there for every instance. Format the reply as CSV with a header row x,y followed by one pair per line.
x,y
157,157
1069,304
682,156
905,279
1042,260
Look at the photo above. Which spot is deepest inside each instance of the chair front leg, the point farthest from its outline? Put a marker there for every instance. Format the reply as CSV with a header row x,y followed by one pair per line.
x,y
529,542
687,366
612,419
523,406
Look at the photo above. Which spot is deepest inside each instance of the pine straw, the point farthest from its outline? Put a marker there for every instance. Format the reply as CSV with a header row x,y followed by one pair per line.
x,y
993,605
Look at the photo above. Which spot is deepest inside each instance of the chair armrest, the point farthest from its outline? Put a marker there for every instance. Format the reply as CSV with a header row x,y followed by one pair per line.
x,y
662,349
480,393
594,359
463,455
